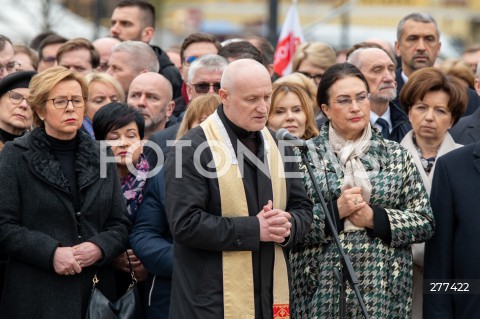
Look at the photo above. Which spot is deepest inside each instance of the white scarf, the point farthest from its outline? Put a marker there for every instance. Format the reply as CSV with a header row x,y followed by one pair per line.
x,y
349,152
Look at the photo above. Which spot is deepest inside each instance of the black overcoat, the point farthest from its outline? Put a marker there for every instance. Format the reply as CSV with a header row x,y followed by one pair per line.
x,y
37,216
452,254
200,234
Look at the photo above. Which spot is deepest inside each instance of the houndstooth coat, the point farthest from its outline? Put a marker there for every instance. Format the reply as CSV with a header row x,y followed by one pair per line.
x,y
384,269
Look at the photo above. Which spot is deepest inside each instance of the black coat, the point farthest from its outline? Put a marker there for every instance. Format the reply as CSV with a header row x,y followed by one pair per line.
x,y
400,123
160,138
37,216
201,234
169,70
452,252
467,130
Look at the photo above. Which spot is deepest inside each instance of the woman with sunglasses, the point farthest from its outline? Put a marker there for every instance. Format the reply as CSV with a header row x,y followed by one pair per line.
x,y
62,214
16,117
374,194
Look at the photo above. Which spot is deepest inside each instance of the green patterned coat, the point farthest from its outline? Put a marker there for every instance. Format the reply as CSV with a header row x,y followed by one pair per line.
x,y
383,270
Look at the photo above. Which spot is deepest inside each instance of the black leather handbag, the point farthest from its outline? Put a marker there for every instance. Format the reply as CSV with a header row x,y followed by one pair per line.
x,y
126,307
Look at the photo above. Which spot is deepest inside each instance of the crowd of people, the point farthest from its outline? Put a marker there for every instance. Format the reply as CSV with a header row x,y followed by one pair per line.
x,y
117,156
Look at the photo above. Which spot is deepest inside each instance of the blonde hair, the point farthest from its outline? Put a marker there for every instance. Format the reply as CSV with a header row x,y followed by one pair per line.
x,y
306,84
200,106
319,54
282,89
42,83
106,79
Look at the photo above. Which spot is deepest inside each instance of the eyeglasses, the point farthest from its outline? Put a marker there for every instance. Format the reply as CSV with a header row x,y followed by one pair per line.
x,y
15,97
10,67
189,59
317,78
62,102
360,98
202,88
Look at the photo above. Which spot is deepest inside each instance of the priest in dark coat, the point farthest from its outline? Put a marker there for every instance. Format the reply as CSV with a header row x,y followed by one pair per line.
x,y
207,231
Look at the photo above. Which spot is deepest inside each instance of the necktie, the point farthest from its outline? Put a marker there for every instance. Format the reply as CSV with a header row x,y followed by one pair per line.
x,y
384,125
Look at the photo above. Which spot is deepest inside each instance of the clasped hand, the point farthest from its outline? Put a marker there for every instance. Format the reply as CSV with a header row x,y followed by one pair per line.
x,y
352,206
71,260
274,224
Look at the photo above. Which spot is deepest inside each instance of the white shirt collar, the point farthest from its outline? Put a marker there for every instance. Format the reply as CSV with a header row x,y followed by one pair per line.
x,y
386,116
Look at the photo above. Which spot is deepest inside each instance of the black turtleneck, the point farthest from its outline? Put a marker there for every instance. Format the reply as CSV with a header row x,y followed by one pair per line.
x,y
249,139
7,137
65,151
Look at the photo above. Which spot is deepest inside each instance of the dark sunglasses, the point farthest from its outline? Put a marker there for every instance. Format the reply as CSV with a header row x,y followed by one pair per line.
x,y
202,88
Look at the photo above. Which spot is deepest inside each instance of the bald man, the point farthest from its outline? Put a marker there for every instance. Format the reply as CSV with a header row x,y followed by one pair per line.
x,y
228,235
151,94
104,47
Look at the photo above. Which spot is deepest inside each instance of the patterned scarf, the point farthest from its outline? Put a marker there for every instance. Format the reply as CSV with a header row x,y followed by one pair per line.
x,y
133,186
349,152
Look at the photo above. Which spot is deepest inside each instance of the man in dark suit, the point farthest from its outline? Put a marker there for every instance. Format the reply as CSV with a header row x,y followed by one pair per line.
x,y
418,45
378,67
467,130
451,256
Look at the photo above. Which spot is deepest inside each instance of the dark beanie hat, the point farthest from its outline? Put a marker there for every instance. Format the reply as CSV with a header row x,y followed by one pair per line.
x,y
19,79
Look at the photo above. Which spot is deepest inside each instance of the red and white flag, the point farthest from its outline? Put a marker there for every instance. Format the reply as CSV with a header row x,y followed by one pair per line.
x,y
290,37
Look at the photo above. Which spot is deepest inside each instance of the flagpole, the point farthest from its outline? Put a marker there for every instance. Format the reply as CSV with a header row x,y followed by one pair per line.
x,y
272,21
291,36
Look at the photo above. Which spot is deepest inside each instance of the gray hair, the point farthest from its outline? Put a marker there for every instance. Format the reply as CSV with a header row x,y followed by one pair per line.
x,y
354,58
210,62
142,55
417,17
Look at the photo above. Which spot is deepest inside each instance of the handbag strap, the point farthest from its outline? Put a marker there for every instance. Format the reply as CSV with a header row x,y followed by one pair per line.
x,y
96,280
132,273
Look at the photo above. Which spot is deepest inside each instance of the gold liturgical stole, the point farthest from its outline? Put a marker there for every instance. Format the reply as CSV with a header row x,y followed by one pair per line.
x,y
238,292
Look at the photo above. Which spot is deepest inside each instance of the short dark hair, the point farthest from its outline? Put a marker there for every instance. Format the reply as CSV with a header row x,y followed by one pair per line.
x,y
417,17
35,42
241,50
334,73
148,10
80,43
115,115
266,48
198,37
430,79
49,40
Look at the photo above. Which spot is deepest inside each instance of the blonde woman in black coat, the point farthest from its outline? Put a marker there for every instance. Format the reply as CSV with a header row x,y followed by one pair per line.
x,y
60,220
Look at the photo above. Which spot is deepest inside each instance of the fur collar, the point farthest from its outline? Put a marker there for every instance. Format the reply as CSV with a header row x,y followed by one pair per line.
x,y
43,163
